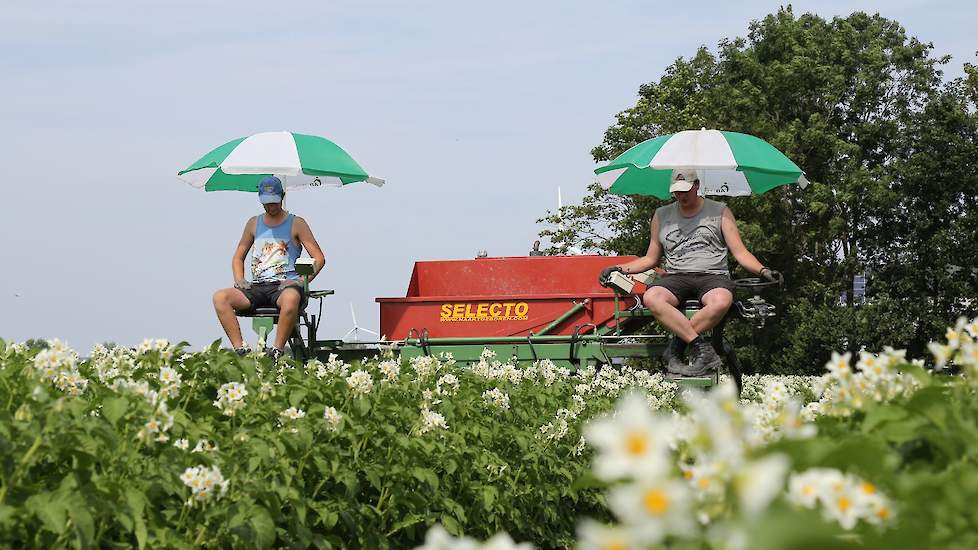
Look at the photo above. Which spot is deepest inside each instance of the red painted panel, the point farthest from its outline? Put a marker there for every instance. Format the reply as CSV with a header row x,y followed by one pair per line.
x,y
499,296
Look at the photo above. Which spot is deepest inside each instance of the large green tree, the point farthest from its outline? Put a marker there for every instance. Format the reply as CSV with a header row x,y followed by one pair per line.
x,y
890,148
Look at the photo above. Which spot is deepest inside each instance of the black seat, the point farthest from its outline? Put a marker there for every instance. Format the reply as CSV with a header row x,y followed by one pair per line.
x,y
261,312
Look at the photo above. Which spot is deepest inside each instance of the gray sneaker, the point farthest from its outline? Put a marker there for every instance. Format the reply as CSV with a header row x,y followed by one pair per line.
x,y
705,358
673,356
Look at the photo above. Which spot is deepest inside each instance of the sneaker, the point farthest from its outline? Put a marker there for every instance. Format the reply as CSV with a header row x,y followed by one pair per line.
x,y
242,351
705,358
673,355
274,353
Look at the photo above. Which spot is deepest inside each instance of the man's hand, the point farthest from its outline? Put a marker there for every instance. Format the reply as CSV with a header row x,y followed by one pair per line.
x,y
605,276
771,275
242,284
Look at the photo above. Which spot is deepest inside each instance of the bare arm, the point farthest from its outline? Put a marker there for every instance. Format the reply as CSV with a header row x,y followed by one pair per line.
x,y
736,246
305,237
244,245
652,255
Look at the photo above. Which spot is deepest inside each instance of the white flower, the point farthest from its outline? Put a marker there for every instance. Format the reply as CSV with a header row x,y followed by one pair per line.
x,y
632,443
438,538
845,499
205,483
204,446
231,398
391,369
292,413
838,365
653,509
333,419
182,444
431,420
942,354
592,535
758,482
424,366
360,382
447,385
496,398
336,366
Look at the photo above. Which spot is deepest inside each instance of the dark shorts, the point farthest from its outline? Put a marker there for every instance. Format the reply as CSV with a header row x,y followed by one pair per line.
x,y
692,286
267,294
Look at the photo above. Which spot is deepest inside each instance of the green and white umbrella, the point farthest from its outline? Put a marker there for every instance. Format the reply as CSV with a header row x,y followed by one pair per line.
x,y
727,163
298,159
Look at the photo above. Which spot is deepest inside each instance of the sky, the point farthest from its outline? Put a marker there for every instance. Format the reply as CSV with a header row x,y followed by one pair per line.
x,y
474,113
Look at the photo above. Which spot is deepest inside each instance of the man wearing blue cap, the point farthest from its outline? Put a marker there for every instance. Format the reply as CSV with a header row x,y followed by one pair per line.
x,y
278,238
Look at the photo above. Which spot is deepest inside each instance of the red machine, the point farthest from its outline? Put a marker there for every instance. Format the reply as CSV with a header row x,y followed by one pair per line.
x,y
499,297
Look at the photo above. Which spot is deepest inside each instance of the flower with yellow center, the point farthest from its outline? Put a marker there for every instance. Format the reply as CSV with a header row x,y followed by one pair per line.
x,y
631,443
657,501
653,509
838,365
637,443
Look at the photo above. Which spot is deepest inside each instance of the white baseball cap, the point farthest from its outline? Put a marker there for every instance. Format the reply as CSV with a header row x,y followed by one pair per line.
x,y
683,181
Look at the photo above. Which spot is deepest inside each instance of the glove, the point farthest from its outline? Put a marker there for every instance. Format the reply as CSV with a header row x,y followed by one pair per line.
x,y
605,276
242,284
771,275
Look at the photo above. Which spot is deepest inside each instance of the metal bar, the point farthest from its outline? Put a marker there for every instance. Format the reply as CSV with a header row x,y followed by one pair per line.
x,y
577,307
502,339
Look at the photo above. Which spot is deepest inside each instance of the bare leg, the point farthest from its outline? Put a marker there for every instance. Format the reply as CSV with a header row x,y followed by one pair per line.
x,y
226,302
288,305
663,304
716,303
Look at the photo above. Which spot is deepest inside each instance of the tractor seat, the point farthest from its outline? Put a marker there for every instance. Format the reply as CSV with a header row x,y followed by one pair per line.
x,y
261,312
273,311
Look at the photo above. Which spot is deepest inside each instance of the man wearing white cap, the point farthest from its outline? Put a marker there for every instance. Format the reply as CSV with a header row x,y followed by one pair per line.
x,y
694,235
278,238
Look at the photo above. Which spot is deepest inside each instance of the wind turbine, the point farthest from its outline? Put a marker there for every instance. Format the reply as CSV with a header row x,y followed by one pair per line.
x,y
572,250
357,329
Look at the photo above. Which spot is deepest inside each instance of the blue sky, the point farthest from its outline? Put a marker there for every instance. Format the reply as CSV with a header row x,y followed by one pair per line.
x,y
474,113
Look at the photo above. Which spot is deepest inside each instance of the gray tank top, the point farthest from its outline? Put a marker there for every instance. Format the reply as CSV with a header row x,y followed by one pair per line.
x,y
695,244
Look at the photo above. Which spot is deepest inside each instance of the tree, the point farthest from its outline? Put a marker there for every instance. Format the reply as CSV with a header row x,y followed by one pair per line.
x,y
864,110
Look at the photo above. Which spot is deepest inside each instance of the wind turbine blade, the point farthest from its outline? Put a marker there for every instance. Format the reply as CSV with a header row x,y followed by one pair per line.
x,y
354,315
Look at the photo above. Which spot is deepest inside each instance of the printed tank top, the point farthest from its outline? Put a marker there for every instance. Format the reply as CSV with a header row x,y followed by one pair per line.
x,y
694,244
274,254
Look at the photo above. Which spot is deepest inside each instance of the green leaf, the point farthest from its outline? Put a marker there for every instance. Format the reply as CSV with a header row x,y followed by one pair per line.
x,y
408,521
51,511
296,397
451,525
932,403
425,475
489,495
263,526
880,415
114,408
137,502
374,479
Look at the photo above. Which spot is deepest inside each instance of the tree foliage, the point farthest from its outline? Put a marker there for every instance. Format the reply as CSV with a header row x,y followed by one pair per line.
x,y
890,148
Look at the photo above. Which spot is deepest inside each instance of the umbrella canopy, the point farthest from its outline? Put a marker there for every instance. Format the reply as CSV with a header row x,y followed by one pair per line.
x,y
727,163
298,159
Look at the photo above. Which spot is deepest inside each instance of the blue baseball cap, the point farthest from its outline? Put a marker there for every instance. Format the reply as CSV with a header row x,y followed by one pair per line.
x,y
270,190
